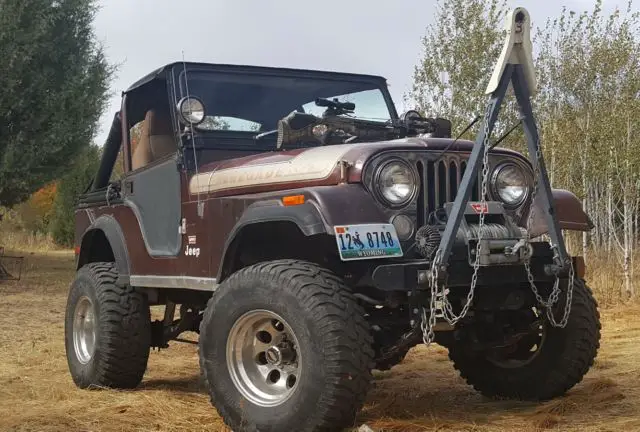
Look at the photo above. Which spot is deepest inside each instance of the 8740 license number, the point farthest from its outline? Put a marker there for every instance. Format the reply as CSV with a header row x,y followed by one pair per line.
x,y
367,241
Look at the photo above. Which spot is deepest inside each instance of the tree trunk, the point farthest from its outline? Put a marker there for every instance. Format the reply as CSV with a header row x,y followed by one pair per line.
x,y
585,201
626,263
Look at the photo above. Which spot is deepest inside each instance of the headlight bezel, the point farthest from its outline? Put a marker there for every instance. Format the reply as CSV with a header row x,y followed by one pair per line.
x,y
184,117
499,168
377,184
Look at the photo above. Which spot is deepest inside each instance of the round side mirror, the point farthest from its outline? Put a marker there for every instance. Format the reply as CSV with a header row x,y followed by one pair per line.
x,y
191,110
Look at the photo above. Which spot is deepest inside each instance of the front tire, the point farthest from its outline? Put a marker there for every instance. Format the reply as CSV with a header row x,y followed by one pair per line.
x,y
107,330
563,357
284,346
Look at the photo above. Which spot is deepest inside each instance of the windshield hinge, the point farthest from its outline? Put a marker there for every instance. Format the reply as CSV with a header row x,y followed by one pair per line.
x,y
344,170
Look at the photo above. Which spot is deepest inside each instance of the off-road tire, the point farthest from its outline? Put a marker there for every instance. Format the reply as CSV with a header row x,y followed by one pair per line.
x,y
334,340
123,330
564,358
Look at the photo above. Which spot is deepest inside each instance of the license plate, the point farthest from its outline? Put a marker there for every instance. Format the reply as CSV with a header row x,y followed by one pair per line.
x,y
356,242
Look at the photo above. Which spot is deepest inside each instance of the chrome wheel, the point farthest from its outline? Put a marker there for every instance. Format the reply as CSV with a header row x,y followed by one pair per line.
x,y
84,330
263,358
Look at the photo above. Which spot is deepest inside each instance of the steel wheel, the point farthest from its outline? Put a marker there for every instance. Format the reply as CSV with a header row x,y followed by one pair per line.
x,y
263,358
522,352
84,330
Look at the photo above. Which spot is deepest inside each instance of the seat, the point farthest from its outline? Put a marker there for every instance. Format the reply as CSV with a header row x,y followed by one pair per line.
x,y
156,140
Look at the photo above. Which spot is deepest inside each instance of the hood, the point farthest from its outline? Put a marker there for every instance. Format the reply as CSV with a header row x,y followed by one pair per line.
x,y
315,166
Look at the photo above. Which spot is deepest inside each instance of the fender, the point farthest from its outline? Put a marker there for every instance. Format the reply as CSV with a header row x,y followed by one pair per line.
x,y
324,207
113,233
569,212
305,216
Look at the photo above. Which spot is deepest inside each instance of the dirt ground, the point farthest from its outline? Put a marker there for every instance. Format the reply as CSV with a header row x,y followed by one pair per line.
x,y
422,394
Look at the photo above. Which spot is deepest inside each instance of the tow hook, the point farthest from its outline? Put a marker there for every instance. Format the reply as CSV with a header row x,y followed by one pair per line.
x,y
523,247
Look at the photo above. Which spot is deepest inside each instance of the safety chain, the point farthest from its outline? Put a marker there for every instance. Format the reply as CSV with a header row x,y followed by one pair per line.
x,y
439,292
555,292
448,314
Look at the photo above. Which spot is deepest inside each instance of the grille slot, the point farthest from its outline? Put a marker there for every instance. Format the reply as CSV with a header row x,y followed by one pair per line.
x,y
440,182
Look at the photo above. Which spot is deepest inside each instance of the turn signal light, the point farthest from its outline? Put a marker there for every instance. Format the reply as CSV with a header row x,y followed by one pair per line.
x,y
292,200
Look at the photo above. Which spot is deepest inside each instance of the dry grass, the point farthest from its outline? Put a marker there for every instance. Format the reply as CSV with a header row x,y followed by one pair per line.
x,y
422,394
21,240
604,273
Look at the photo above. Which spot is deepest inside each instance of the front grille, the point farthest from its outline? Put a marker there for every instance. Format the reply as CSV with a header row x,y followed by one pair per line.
x,y
439,182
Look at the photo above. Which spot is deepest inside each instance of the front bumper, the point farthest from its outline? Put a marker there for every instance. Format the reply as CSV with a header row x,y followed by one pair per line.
x,y
412,275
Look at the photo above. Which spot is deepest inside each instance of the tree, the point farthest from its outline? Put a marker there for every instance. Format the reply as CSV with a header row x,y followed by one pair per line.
x,y
73,184
459,52
36,213
54,79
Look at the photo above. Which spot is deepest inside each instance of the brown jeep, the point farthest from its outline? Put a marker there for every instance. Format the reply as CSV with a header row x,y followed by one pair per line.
x,y
293,216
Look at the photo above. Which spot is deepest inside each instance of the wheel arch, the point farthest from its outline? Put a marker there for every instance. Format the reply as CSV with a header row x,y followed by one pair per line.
x,y
271,221
104,240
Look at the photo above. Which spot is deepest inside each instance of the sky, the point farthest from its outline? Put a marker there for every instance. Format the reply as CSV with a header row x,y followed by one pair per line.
x,y
359,36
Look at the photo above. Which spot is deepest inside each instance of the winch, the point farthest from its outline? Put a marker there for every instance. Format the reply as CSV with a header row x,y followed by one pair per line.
x,y
501,240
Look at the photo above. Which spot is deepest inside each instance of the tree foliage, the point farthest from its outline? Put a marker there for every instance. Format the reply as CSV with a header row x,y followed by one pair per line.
x,y
54,79
459,52
35,214
71,186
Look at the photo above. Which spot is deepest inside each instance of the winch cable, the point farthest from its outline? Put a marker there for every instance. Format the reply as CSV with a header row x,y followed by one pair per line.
x,y
514,67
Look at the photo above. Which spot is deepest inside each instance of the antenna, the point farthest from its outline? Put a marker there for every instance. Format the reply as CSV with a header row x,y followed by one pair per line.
x,y
200,203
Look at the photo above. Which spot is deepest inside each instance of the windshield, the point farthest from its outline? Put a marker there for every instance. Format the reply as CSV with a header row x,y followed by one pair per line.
x,y
255,102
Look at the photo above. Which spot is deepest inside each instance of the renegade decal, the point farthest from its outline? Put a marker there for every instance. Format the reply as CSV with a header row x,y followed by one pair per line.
x,y
313,164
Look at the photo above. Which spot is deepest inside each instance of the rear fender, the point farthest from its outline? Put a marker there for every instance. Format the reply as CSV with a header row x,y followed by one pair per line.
x,y
569,213
108,227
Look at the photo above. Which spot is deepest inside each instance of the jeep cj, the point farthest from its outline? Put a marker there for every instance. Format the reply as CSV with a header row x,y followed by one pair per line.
x,y
309,234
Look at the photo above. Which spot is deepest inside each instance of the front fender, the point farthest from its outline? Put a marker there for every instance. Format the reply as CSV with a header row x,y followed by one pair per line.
x,y
305,216
346,204
569,213
324,207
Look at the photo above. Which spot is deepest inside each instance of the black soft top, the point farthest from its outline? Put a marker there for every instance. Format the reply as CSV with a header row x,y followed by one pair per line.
x,y
160,73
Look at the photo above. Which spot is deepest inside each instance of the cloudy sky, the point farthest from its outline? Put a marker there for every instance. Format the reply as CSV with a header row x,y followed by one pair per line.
x,y
366,36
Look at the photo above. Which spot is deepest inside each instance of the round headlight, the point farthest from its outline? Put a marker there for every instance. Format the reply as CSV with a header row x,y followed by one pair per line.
x,y
191,110
510,184
396,183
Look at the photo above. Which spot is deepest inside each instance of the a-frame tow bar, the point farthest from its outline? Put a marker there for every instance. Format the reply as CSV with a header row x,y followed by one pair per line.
x,y
515,67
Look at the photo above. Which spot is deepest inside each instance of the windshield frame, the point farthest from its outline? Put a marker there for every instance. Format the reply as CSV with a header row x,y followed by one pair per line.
x,y
178,72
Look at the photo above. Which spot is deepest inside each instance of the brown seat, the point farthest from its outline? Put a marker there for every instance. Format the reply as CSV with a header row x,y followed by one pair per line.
x,y
156,140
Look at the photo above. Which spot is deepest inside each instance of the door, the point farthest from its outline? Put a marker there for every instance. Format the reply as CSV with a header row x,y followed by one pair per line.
x,y
153,193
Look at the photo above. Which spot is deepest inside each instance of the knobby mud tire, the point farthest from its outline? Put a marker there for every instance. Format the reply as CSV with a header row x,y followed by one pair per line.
x,y
334,340
123,330
566,355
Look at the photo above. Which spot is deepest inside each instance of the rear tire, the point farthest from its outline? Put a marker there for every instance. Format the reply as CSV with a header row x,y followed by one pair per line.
x,y
317,325
564,357
107,330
